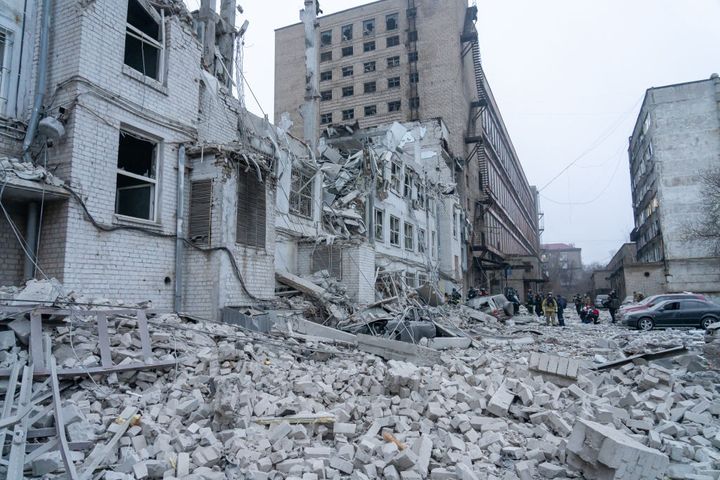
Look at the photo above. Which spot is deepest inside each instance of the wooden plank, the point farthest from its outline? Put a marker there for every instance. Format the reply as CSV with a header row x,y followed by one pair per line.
x,y
104,340
16,460
78,372
144,335
60,424
37,358
9,400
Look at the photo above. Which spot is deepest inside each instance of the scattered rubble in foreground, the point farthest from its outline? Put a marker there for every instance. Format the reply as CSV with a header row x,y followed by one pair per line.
x,y
215,401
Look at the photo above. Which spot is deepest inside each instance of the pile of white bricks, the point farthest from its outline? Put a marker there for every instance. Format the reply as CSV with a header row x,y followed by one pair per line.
x,y
242,405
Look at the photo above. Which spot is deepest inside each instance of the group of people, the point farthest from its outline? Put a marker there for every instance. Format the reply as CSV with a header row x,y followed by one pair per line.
x,y
585,309
548,306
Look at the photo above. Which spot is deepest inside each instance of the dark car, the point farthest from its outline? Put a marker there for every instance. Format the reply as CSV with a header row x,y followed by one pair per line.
x,y
675,313
653,300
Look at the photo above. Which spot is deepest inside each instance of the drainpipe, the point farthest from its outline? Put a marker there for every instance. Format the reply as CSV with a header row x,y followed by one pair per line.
x,y
180,218
33,211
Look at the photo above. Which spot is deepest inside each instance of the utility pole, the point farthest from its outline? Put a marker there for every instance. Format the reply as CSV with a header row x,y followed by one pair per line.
x,y
311,107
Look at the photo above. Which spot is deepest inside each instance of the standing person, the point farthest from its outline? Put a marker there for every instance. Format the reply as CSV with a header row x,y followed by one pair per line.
x,y
561,305
538,305
530,301
550,308
578,303
613,304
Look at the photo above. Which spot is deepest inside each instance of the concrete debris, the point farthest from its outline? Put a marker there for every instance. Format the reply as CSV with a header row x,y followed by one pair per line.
x,y
305,401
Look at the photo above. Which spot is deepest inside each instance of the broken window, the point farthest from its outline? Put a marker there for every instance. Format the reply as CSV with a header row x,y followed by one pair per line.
x,y
326,56
200,212
422,279
379,225
144,42
369,67
407,190
326,95
414,77
395,172
421,240
420,195
394,231
348,114
326,38
393,41
413,57
325,76
368,46
412,36
370,110
328,257
394,106
347,71
348,91
391,21
370,87
347,51
409,236
301,190
251,211
6,67
393,62
136,189
346,32
393,82
415,102
369,27
326,118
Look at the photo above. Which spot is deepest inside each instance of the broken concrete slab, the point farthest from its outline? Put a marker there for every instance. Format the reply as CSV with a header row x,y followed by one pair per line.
x,y
395,350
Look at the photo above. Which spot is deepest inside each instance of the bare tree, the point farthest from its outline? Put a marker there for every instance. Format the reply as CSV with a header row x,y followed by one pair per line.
x,y
707,227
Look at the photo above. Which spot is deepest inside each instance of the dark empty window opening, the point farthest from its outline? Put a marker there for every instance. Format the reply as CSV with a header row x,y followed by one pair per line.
x,y
348,91
347,51
394,106
348,114
393,41
328,257
391,21
301,191
412,36
414,77
370,110
346,32
415,102
325,76
393,62
326,56
347,71
326,38
394,82
199,223
326,118
413,57
370,87
144,49
369,67
326,95
136,190
251,211
369,46
369,27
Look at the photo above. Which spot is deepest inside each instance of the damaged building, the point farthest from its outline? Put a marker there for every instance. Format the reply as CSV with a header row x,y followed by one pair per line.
x,y
379,63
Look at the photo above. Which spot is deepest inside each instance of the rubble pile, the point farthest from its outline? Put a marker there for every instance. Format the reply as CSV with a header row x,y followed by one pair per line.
x,y
235,404
27,171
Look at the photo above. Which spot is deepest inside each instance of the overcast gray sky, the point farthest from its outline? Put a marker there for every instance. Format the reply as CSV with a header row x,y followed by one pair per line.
x,y
569,77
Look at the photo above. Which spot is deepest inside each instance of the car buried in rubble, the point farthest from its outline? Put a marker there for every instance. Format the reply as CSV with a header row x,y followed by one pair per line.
x,y
496,305
689,312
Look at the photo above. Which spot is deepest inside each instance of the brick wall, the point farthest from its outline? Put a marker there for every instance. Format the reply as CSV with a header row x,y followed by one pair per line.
x,y
12,257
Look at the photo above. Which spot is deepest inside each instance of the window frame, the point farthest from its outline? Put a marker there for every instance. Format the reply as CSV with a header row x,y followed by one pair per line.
x,y
154,181
306,181
370,87
350,89
396,176
326,76
328,115
343,29
411,236
346,69
144,38
371,31
396,18
394,106
374,110
326,95
392,41
414,77
323,44
9,69
326,56
379,225
369,46
348,51
351,115
366,66
413,57
421,241
394,233
393,82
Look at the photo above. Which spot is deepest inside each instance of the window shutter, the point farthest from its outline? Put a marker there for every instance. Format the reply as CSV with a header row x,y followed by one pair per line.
x,y
250,227
199,226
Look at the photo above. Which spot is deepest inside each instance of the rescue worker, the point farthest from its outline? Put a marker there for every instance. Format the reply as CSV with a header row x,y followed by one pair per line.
x,y
578,303
550,308
613,304
538,305
561,304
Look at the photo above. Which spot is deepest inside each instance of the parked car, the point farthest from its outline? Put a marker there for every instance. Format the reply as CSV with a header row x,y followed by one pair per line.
x,y
496,305
654,300
600,300
674,313
627,301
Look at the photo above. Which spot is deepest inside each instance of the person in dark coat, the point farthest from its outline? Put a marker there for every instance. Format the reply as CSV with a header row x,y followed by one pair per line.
x,y
538,305
561,305
613,304
578,303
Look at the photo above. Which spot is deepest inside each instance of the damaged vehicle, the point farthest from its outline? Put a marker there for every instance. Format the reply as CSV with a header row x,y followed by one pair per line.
x,y
675,313
496,305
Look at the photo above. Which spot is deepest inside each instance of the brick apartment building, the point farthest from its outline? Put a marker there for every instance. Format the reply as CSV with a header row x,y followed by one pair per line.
x,y
408,60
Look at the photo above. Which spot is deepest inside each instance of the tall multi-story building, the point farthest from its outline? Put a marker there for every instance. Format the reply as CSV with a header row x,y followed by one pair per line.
x,y
562,263
408,60
674,145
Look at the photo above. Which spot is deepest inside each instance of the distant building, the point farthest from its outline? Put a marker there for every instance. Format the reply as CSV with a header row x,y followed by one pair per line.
x,y
600,281
416,60
626,275
562,264
676,140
